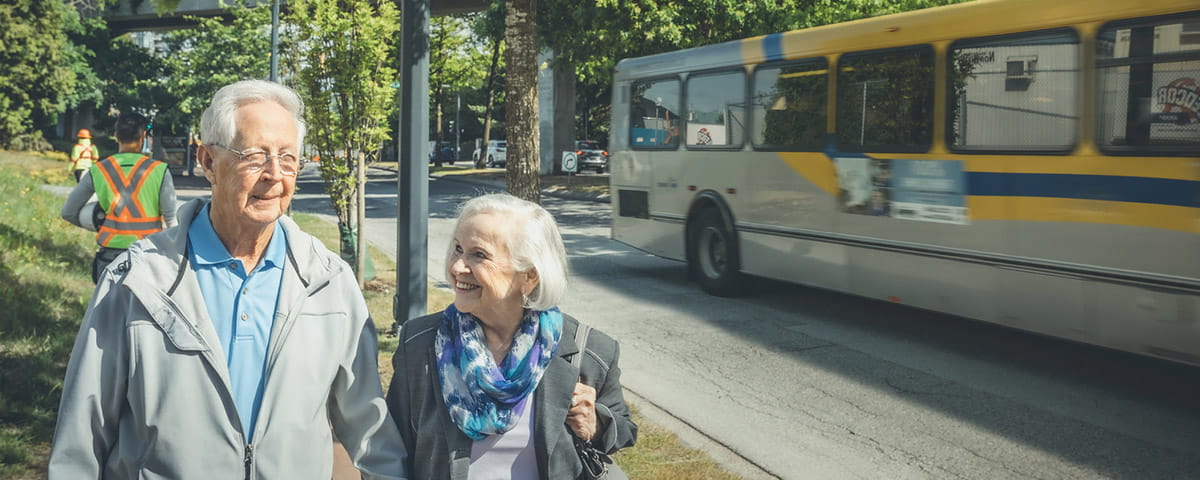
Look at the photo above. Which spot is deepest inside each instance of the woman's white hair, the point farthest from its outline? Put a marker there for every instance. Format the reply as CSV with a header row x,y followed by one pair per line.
x,y
536,244
218,122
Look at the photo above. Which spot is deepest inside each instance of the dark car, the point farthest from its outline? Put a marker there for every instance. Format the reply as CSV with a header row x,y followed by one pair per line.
x,y
443,152
590,156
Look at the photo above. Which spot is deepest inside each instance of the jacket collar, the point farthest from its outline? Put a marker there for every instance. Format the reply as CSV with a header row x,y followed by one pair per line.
x,y
158,274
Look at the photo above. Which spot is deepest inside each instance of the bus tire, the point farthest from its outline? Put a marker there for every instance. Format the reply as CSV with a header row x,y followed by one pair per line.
x,y
714,260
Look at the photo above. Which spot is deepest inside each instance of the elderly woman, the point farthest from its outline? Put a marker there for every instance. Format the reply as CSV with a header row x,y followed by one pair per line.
x,y
486,389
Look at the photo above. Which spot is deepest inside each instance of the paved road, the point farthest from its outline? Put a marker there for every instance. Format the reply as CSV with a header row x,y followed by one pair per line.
x,y
803,383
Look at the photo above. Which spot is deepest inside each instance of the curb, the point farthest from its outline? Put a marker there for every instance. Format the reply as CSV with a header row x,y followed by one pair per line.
x,y
550,192
727,458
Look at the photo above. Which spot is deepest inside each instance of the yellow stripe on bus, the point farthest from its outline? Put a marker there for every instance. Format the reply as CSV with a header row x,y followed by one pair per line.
x,y
814,167
1075,210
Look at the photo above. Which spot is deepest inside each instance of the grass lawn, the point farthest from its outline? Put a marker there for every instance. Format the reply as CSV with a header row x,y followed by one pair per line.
x,y
45,266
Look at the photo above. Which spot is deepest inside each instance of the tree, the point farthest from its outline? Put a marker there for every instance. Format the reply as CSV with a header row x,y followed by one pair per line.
x,y
345,77
214,53
454,67
489,28
40,68
522,101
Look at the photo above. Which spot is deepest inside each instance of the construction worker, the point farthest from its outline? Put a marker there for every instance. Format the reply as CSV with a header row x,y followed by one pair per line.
x,y
136,194
83,154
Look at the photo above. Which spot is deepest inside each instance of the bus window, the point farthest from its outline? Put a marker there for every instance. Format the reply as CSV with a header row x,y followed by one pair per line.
x,y
654,114
789,106
1018,92
885,100
716,109
1149,84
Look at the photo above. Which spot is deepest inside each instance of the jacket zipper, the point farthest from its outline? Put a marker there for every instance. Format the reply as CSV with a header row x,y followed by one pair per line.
x,y
249,459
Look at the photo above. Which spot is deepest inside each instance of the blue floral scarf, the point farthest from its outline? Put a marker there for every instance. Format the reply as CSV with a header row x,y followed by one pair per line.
x,y
480,395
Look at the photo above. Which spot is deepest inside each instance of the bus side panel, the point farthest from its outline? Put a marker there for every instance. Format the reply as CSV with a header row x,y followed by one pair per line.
x,y
944,284
949,286
1158,323
782,197
1051,304
1138,249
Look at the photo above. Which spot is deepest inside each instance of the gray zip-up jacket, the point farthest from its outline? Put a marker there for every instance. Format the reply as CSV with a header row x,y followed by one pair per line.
x,y
147,395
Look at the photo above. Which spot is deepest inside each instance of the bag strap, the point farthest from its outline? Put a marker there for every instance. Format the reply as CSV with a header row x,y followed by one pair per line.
x,y
581,336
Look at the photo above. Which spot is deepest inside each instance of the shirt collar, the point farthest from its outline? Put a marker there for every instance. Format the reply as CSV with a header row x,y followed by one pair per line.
x,y
207,249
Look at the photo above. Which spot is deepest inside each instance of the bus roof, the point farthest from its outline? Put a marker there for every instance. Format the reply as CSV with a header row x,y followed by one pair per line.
x,y
979,18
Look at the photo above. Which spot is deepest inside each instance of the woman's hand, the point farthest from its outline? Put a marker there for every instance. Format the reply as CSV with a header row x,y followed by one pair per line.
x,y
581,417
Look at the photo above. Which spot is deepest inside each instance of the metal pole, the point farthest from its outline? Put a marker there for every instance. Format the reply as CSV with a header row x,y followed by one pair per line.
x,y
275,41
413,183
862,129
457,125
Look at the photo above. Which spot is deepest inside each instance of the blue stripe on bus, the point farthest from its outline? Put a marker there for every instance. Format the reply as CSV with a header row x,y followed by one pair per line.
x,y
1163,191
773,47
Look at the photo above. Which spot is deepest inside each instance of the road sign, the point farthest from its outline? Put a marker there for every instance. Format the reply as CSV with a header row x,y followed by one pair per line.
x,y
569,162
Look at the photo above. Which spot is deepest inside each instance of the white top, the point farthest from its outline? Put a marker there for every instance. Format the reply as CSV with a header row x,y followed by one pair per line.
x,y
509,455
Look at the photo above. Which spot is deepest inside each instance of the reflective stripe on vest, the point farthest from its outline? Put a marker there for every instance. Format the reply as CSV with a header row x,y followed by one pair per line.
x,y
126,215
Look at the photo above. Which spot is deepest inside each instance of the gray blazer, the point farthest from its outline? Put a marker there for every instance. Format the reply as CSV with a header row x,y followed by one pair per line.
x,y
437,449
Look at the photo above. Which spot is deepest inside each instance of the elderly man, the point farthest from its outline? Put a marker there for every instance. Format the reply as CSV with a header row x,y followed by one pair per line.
x,y
227,347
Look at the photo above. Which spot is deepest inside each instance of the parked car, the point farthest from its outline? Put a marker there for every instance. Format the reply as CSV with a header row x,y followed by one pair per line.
x,y
590,156
495,152
442,152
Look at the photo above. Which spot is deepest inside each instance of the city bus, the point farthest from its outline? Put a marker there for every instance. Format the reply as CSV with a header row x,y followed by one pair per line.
x,y
1027,163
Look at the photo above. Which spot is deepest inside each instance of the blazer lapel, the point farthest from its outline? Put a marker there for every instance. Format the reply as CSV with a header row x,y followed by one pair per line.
x,y
458,444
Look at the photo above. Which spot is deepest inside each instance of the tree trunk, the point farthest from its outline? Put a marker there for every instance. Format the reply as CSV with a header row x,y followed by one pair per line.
x,y
521,104
360,250
437,157
487,112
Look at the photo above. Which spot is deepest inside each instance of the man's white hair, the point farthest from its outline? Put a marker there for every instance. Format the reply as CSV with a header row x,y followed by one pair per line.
x,y
218,124
535,244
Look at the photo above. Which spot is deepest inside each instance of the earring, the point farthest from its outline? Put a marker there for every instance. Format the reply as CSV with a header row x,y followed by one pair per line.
x,y
524,300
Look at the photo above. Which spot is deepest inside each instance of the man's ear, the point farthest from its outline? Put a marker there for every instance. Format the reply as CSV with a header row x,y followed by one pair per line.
x,y
205,158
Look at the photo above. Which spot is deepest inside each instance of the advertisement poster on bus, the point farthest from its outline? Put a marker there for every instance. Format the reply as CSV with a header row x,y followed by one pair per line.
x,y
921,190
1176,108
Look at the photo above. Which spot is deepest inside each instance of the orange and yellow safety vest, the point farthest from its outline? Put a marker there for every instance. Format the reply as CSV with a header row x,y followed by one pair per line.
x,y
81,152
127,187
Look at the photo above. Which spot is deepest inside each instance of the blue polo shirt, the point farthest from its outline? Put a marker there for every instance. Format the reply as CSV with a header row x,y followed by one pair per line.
x,y
242,307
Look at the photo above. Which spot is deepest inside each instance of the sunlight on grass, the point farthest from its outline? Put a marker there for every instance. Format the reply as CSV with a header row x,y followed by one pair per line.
x,y
45,266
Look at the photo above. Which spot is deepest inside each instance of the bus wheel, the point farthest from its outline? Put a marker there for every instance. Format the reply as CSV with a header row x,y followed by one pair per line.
x,y
714,260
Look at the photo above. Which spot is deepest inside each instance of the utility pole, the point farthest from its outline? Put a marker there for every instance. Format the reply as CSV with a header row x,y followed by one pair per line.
x,y
457,125
413,182
275,41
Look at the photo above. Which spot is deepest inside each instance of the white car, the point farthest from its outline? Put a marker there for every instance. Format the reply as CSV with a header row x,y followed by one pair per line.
x,y
496,156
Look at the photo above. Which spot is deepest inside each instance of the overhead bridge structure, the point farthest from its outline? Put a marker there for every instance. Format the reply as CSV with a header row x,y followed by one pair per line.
x,y
142,15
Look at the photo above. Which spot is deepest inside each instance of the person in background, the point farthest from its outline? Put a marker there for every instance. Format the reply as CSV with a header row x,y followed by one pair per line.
x,y
135,193
235,345
83,154
189,161
486,388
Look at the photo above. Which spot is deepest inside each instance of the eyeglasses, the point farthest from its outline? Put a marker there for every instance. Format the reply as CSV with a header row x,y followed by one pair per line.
x,y
254,161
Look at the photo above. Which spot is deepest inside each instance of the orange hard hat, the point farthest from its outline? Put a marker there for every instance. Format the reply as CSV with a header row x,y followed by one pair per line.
x,y
84,133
